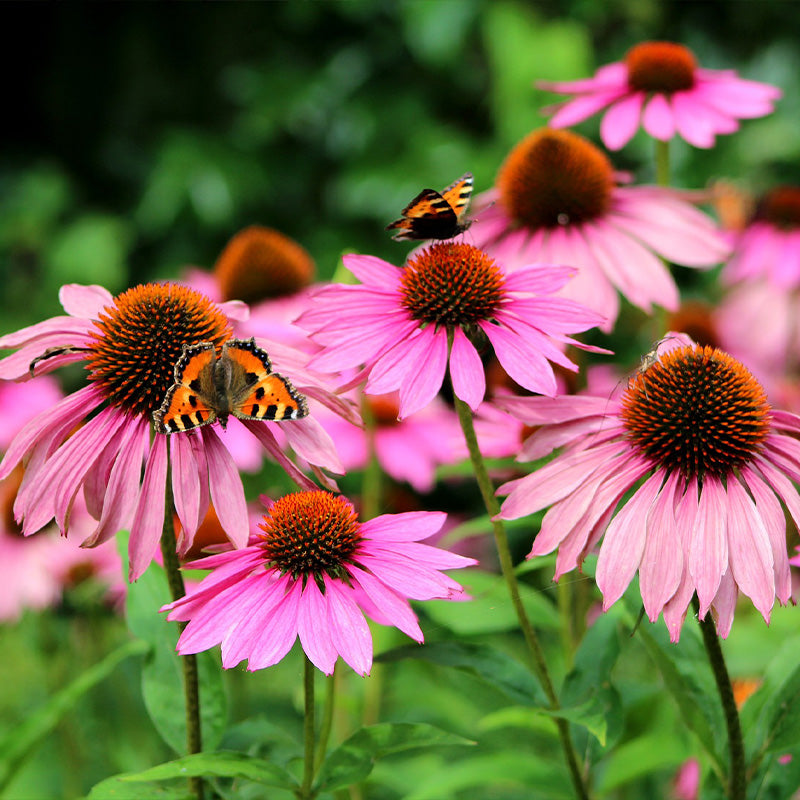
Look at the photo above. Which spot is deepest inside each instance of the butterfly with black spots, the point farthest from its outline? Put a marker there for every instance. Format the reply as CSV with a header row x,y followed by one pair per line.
x,y
238,380
434,215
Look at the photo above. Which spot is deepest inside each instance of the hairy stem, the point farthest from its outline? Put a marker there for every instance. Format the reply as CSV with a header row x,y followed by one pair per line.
x,y
308,731
191,682
507,567
737,782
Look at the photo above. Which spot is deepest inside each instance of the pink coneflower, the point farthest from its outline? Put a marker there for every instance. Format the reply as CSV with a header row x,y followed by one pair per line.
x,y
130,345
769,246
716,463
660,85
557,200
313,571
398,320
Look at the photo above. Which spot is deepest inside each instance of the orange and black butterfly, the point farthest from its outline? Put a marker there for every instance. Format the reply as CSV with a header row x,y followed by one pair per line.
x,y
431,215
239,381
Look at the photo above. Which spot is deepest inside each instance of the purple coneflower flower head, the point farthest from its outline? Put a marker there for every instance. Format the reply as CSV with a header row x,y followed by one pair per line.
x,y
397,321
313,571
557,199
708,464
98,440
660,86
769,246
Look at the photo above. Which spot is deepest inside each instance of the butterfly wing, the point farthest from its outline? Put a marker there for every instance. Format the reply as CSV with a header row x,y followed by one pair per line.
x,y
190,401
431,215
255,391
458,195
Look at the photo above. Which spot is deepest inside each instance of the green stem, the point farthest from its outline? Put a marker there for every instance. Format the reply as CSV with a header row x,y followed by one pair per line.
x,y
737,781
662,163
326,724
191,681
507,568
308,730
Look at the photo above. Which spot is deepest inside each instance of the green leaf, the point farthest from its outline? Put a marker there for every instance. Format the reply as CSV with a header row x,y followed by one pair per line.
x,y
115,788
354,759
162,676
771,716
640,757
25,736
490,609
688,678
588,692
487,663
218,765
591,715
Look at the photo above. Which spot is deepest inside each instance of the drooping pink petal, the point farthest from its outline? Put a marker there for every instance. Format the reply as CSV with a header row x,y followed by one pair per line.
x,y
621,121
769,508
657,118
349,630
313,443
189,485
466,371
662,565
268,650
749,549
581,108
267,439
429,353
725,604
148,518
522,362
624,542
372,270
392,606
123,484
227,492
410,526
690,122
708,553
316,639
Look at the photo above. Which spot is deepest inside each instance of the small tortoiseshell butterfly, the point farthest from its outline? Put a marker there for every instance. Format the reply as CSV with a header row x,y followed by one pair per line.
x,y
239,381
431,215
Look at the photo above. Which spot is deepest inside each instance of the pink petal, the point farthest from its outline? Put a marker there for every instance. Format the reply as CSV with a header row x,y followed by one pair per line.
x,y
749,549
410,526
58,331
539,279
661,568
84,301
312,627
725,604
621,121
429,353
276,637
522,362
708,554
267,439
349,630
189,484
466,371
624,542
372,270
691,123
574,111
394,608
122,492
227,492
657,118
769,508
313,443
148,519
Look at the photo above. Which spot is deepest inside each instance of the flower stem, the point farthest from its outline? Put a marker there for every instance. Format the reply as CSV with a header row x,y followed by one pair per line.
x,y
191,682
662,163
507,567
308,730
327,719
737,782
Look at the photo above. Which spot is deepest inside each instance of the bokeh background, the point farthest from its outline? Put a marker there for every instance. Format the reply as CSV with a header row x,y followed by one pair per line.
x,y
139,137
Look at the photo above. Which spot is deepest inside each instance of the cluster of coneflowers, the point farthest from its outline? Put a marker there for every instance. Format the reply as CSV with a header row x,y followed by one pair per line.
x,y
683,477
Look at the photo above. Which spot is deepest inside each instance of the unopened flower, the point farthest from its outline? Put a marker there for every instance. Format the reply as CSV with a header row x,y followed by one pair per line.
x,y
661,87
710,466
397,322
313,571
558,200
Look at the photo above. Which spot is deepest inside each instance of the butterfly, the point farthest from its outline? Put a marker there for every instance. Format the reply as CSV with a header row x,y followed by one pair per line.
x,y
238,380
431,215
